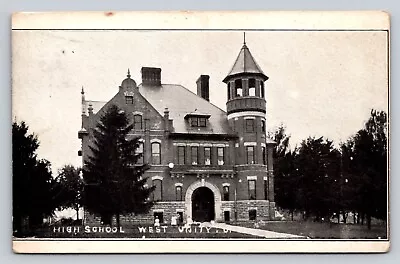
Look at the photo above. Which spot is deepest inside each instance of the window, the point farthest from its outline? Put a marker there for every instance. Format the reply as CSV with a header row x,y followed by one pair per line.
x,y
250,154
181,155
195,158
264,155
225,191
227,216
262,125
198,122
220,154
129,99
178,192
207,156
252,87
238,88
266,189
262,90
202,122
137,122
252,214
229,90
140,151
249,125
156,153
157,193
252,189
159,216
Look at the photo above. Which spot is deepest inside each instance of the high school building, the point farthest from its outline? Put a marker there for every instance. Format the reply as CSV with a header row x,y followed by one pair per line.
x,y
206,163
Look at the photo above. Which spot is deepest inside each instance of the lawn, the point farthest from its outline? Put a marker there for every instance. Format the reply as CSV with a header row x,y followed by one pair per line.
x,y
324,230
134,231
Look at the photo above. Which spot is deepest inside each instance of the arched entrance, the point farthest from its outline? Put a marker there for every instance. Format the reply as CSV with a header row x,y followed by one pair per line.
x,y
203,207
216,196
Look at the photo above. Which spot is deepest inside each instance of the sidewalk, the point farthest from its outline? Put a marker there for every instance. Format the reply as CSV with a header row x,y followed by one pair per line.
x,y
253,231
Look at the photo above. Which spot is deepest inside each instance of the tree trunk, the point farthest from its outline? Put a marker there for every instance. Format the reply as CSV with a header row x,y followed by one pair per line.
x,y
362,218
354,217
117,219
77,213
369,222
344,217
291,213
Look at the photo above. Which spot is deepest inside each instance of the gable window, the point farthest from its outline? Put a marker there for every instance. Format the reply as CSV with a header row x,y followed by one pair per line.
x,y
181,155
238,88
178,193
140,151
207,156
262,90
129,99
252,87
156,153
220,156
157,193
264,155
252,189
249,125
262,125
137,122
194,122
195,155
225,190
250,154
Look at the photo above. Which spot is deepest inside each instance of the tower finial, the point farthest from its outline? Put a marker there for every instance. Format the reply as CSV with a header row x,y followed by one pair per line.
x,y
244,38
82,92
129,74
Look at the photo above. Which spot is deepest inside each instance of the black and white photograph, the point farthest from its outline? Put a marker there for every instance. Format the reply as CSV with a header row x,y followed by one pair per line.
x,y
189,134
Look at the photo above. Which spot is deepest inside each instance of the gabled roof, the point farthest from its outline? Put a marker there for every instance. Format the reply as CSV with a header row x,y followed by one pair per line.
x,y
181,101
245,63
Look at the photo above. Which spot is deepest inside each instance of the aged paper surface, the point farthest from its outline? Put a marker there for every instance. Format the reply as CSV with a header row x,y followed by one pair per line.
x,y
323,73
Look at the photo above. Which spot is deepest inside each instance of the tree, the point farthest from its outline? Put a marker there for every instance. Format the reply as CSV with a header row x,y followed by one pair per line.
x,y
69,188
318,171
33,184
284,171
114,182
366,165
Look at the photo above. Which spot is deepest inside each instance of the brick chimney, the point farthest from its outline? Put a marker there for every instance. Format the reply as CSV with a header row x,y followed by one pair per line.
x,y
203,89
151,76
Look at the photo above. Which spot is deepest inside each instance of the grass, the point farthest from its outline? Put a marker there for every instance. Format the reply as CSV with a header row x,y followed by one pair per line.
x,y
133,231
319,230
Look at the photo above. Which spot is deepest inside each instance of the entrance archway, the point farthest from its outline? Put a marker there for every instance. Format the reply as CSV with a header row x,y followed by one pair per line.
x,y
203,207
216,195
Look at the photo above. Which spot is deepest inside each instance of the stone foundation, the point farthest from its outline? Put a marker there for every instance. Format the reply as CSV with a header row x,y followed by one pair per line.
x,y
246,211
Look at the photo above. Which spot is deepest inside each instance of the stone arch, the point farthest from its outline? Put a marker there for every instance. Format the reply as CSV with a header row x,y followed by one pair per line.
x,y
217,198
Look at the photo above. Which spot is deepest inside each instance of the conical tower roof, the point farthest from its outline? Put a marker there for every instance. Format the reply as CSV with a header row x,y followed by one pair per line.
x,y
244,64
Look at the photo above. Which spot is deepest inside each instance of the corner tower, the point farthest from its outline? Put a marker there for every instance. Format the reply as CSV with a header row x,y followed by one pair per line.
x,y
246,113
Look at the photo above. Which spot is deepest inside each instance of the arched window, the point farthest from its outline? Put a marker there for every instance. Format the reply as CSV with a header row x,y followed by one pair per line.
x,y
262,89
226,192
178,192
137,121
252,87
157,193
238,88
156,153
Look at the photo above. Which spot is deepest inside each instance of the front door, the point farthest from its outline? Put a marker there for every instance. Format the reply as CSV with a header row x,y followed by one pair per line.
x,y
203,208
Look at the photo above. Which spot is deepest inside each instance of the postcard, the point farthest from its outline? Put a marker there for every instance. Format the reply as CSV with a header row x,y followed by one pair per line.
x,y
200,132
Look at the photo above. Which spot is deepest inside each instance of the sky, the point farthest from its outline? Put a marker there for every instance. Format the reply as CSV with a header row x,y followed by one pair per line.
x,y
321,83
